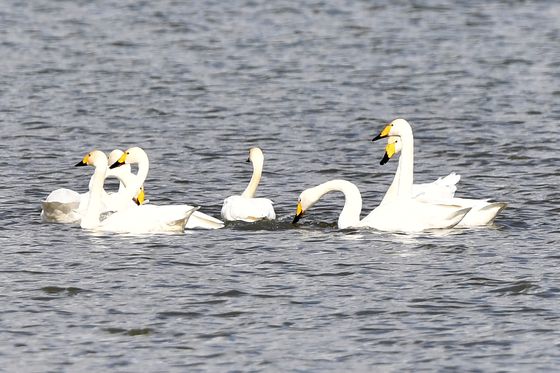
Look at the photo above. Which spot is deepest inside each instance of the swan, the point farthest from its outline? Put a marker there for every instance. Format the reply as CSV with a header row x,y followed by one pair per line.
x,y
138,155
246,207
136,219
395,216
400,140
68,206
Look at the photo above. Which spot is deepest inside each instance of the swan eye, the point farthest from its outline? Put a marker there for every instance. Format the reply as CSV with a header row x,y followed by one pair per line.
x,y
127,153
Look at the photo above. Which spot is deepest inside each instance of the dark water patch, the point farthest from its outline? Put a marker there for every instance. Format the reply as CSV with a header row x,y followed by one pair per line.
x,y
70,291
330,274
129,332
178,314
521,287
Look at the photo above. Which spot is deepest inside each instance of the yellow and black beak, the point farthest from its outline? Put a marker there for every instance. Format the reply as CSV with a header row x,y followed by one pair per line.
x,y
83,162
140,197
119,161
383,133
299,213
389,152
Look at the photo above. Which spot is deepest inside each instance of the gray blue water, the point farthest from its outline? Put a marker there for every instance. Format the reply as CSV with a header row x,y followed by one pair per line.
x,y
198,83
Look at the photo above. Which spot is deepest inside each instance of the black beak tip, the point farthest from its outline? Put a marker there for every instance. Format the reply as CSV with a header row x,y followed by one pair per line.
x,y
248,160
80,164
296,219
385,159
377,137
115,165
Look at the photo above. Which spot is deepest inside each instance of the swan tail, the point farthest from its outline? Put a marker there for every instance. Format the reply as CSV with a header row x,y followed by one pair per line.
x,y
204,221
457,216
485,215
180,224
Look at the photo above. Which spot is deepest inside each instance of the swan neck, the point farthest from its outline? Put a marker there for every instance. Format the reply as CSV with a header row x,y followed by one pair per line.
x,y
405,171
251,189
350,214
143,168
133,183
95,205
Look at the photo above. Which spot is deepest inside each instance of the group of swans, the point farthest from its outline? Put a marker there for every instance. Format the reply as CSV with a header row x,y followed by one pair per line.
x,y
406,207
68,206
125,211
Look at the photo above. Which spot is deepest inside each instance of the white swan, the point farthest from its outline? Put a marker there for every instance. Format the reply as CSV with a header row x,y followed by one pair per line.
x,y
246,207
139,156
67,206
136,219
396,216
483,212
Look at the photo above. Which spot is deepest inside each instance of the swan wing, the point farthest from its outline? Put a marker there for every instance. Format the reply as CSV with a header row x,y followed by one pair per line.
x,y
414,216
149,219
442,188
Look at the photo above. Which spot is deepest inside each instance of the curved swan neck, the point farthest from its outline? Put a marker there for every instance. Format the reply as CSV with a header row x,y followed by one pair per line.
x,y
350,214
134,183
143,168
251,189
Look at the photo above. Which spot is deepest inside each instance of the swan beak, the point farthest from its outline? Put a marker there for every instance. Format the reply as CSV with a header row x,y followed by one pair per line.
x,y
83,162
140,197
383,133
119,161
389,152
299,213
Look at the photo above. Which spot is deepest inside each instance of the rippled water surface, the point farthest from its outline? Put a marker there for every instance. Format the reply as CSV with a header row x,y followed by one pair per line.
x,y
198,83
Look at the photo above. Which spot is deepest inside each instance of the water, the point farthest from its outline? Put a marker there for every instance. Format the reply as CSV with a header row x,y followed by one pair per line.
x,y
197,84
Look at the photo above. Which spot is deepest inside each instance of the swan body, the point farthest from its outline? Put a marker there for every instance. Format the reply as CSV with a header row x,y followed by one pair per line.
x,y
138,155
62,206
441,191
396,216
246,207
136,219
68,206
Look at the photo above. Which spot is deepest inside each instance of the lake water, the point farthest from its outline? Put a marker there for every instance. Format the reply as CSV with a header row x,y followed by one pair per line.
x,y
198,83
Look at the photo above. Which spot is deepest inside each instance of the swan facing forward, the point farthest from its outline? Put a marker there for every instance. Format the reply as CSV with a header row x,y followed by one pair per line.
x,y
400,140
396,216
139,156
137,219
246,207
67,206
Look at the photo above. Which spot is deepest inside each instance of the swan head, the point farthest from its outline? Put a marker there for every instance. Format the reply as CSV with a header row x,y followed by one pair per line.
x,y
132,155
94,158
394,146
306,200
255,155
398,127
114,156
